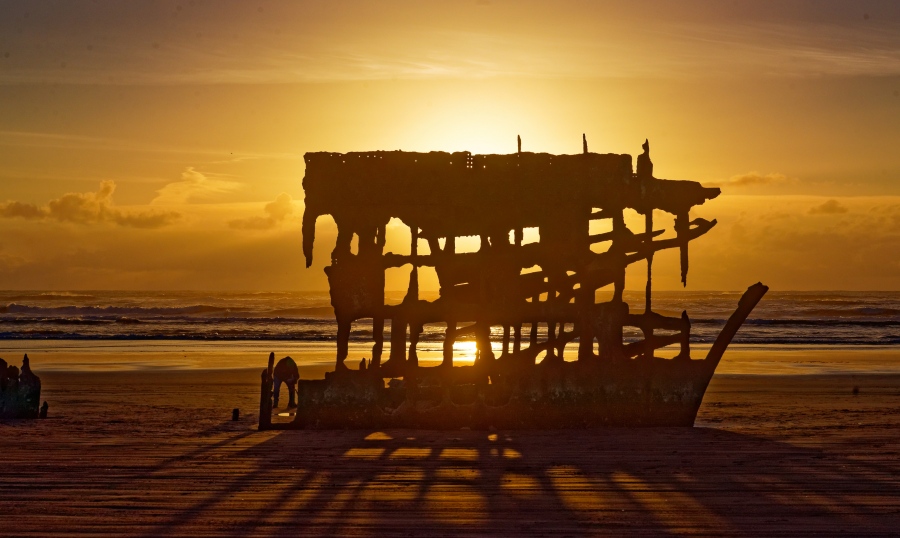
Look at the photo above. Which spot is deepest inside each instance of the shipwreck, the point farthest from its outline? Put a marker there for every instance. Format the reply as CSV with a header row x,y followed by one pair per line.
x,y
500,295
20,392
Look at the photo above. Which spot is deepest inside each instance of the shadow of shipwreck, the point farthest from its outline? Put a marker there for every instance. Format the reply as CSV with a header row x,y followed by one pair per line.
x,y
659,481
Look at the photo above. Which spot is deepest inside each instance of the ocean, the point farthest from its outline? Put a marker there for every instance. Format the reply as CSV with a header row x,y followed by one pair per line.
x,y
796,318
93,331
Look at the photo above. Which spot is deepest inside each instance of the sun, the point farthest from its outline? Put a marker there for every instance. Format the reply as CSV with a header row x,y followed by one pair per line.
x,y
464,351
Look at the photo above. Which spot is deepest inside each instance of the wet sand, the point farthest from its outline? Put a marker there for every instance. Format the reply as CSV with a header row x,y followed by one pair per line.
x,y
154,453
314,358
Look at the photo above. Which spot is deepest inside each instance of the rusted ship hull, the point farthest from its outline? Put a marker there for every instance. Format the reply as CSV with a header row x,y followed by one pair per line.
x,y
509,393
638,392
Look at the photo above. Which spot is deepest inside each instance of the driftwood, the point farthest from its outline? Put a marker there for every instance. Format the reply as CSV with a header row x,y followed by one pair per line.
x,y
506,287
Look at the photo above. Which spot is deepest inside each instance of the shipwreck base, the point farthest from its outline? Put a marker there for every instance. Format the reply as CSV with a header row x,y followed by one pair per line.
x,y
509,393
637,392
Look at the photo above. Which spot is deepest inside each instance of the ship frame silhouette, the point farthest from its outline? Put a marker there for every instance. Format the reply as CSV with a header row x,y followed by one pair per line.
x,y
507,287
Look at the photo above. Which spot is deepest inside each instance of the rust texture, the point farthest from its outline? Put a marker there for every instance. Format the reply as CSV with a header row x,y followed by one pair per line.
x,y
505,288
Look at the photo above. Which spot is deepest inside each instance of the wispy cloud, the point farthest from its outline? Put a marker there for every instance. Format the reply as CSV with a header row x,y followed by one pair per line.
x,y
49,140
193,187
88,208
233,42
753,179
830,207
276,212
795,242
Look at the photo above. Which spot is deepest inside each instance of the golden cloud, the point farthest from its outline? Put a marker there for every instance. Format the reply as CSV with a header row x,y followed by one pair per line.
x,y
25,211
277,211
88,208
193,187
753,179
831,207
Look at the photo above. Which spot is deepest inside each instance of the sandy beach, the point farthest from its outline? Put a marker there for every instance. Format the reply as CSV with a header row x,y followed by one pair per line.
x,y
154,453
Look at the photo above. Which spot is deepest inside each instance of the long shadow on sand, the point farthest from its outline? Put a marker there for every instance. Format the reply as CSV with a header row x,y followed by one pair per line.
x,y
660,481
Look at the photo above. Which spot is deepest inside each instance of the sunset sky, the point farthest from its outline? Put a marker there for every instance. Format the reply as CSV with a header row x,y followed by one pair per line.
x,y
159,145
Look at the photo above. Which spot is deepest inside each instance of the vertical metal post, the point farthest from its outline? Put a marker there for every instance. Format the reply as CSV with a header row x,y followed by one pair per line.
x,y
265,394
648,242
378,335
